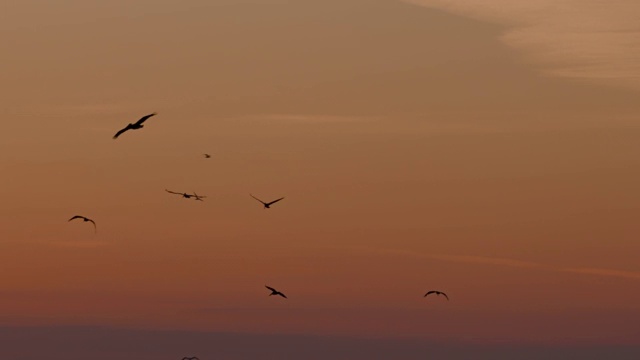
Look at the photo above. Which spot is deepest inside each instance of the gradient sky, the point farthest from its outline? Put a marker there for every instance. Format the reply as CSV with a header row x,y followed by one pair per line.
x,y
487,151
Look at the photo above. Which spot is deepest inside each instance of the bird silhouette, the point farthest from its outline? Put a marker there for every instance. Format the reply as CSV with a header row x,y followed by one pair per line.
x,y
137,125
207,156
438,293
187,196
190,358
275,292
85,219
267,205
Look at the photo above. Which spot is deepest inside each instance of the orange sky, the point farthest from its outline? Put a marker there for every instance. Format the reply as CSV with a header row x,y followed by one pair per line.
x,y
416,148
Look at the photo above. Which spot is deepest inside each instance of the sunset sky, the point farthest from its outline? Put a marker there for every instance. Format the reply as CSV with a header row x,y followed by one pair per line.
x,y
488,149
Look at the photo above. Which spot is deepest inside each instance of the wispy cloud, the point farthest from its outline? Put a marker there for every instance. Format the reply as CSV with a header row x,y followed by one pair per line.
x,y
307,118
590,39
486,260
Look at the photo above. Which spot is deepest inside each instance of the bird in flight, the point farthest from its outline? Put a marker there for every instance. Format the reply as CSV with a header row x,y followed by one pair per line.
x,y
190,358
187,196
86,219
137,125
438,293
207,156
275,292
267,205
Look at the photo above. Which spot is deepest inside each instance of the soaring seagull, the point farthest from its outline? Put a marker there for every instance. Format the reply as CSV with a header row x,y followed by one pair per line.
x,y
438,293
275,292
85,219
267,205
136,126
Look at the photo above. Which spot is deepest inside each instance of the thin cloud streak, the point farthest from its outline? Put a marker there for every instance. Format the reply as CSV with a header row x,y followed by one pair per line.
x,y
587,39
304,118
485,260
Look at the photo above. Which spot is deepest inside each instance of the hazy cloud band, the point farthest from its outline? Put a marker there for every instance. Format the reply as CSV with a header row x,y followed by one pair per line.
x,y
588,39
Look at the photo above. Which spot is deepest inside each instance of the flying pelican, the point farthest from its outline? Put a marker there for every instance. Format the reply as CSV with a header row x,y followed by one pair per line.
x,y
136,126
438,293
190,358
275,292
207,156
85,219
267,205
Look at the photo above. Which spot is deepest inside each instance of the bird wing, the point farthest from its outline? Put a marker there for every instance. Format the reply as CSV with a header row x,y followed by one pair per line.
x,y
95,228
121,131
144,118
258,199
77,217
283,295
275,201
429,292
270,288
445,295
173,192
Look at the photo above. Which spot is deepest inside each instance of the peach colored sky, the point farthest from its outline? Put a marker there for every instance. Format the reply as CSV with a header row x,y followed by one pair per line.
x,y
415,148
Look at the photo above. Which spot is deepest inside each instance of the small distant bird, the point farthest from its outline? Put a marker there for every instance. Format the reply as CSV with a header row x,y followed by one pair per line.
x,y
86,219
190,358
438,293
187,196
136,126
207,156
267,205
275,292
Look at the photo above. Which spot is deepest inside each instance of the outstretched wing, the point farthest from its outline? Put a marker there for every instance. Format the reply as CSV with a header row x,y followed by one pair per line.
x,y
77,217
445,295
258,199
281,294
275,201
144,118
172,192
270,288
121,131
429,292
95,228
198,197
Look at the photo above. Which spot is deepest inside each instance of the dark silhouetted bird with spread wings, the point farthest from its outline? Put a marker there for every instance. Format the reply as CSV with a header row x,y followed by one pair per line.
x,y
267,205
207,156
135,126
187,196
438,293
86,219
275,292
